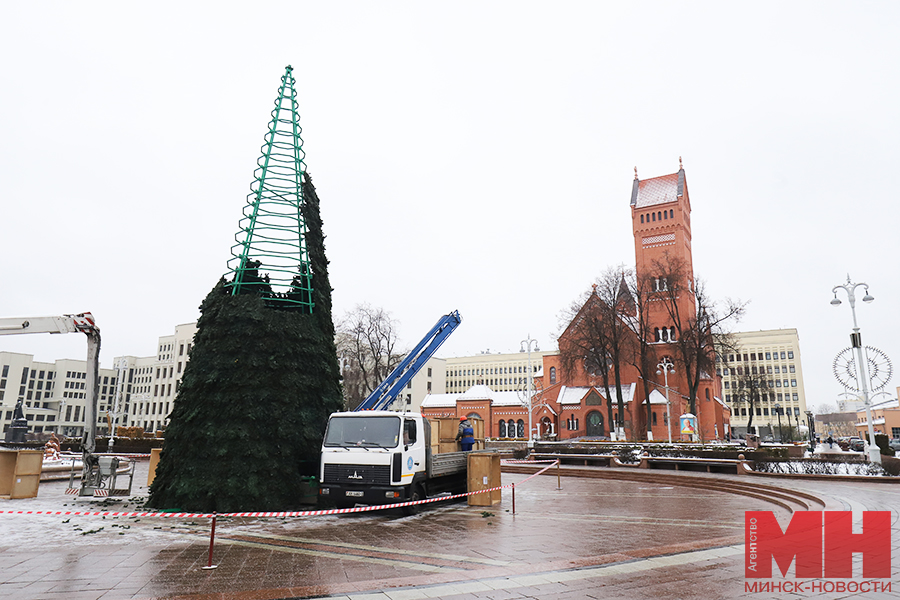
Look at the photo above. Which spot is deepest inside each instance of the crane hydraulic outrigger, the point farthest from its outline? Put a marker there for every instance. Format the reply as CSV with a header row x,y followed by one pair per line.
x,y
385,394
91,475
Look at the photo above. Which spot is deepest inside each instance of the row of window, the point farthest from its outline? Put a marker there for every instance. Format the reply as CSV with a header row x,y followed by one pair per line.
x,y
665,334
758,356
777,382
766,397
492,371
467,383
511,429
761,370
764,412
660,215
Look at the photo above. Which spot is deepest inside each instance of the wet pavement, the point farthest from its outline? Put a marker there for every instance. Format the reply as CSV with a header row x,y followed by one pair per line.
x,y
594,538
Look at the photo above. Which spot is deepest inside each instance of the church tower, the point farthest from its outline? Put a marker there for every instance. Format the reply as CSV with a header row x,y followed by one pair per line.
x,y
661,222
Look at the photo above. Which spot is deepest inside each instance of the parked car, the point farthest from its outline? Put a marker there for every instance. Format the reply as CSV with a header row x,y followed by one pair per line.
x,y
895,444
857,445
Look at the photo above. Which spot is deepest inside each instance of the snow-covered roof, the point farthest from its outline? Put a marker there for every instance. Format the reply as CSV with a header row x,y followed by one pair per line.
x,y
476,392
571,395
508,399
574,395
657,190
656,397
439,400
627,392
892,403
722,402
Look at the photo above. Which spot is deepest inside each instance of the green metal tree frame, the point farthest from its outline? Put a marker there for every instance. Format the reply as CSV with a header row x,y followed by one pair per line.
x,y
272,235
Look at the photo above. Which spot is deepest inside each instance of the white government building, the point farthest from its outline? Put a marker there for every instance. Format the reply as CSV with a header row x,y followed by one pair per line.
x,y
774,353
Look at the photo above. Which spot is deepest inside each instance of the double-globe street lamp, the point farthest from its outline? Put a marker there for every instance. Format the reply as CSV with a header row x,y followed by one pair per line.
x,y
527,343
664,368
856,342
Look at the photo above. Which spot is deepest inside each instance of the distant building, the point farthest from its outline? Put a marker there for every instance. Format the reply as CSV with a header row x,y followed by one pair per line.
x,y
154,380
53,395
885,419
772,355
429,379
501,372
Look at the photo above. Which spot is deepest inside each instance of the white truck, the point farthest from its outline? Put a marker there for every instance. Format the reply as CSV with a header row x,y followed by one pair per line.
x,y
385,457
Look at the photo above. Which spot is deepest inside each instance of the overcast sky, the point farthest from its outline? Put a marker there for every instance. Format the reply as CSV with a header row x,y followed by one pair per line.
x,y
470,155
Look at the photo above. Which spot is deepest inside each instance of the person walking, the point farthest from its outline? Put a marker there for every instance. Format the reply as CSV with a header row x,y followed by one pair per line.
x,y
466,435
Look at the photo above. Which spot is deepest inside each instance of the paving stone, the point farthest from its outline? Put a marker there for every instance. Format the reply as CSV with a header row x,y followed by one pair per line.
x,y
594,538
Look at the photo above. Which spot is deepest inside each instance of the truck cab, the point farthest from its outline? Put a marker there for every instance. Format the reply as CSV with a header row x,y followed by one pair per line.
x,y
373,457
384,457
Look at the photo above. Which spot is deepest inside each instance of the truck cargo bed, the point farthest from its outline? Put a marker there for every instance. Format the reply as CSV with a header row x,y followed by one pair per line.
x,y
447,463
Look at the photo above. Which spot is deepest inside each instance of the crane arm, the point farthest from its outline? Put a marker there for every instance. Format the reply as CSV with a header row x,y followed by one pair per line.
x,y
387,391
83,322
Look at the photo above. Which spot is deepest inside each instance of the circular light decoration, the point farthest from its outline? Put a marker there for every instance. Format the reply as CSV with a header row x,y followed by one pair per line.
x,y
878,365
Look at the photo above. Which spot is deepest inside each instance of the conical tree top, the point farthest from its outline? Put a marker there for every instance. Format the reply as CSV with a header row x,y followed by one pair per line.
x,y
270,255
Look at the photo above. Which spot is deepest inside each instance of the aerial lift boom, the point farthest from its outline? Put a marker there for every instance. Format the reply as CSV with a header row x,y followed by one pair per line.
x,y
84,322
385,394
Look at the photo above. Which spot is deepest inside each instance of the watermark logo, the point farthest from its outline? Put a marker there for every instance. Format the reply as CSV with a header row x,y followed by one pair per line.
x,y
820,544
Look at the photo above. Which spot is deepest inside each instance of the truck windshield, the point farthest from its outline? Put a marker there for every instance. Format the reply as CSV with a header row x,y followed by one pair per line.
x,y
378,432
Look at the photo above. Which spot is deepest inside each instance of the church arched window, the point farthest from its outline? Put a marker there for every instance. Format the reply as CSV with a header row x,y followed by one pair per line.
x,y
552,375
654,216
672,333
656,334
671,213
501,430
642,218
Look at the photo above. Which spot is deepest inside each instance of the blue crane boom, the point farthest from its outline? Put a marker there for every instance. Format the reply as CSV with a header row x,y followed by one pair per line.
x,y
387,391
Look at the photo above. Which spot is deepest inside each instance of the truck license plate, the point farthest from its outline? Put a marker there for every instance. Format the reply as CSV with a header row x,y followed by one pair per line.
x,y
355,494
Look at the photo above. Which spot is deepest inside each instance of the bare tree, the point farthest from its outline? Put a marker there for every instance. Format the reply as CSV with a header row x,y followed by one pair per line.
x,y
698,321
598,339
749,387
366,342
644,356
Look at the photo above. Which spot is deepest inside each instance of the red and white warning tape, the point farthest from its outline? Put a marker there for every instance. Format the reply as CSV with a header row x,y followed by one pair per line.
x,y
299,513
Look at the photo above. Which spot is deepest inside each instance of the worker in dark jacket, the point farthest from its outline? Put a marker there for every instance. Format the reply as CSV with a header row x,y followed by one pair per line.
x,y
466,435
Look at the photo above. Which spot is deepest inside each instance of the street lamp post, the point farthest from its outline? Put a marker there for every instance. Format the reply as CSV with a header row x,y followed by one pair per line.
x,y
856,342
664,368
780,430
526,344
812,430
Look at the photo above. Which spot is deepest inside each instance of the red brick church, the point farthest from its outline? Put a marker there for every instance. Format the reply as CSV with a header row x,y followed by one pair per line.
x,y
571,399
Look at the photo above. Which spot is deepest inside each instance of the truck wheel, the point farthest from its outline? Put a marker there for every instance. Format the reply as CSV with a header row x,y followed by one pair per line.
x,y
416,495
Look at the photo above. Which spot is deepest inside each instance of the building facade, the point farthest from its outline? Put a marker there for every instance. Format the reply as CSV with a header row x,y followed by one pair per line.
x,y
885,420
501,372
156,379
769,359
53,395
